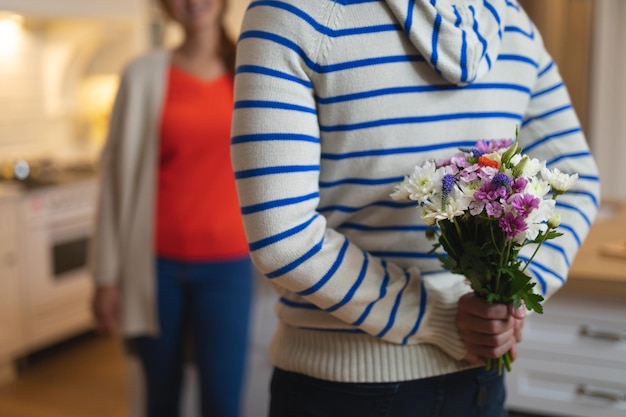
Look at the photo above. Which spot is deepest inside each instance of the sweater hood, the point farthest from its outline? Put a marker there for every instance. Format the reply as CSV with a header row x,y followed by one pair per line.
x,y
459,38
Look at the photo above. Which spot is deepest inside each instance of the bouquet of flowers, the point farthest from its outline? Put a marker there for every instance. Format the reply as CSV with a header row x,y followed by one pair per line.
x,y
484,204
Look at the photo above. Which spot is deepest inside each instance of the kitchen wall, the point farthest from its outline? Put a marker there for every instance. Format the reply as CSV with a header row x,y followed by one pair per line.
x,y
58,68
608,96
43,64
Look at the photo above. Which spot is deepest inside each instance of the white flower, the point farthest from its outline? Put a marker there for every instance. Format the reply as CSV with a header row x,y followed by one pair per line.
x,y
559,181
456,205
424,183
400,191
554,221
532,166
537,187
536,220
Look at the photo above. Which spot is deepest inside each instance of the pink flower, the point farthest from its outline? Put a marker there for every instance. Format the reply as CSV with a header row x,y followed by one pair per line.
x,y
524,203
512,225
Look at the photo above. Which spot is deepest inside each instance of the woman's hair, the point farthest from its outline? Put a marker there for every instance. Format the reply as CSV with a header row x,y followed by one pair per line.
x,y
227,46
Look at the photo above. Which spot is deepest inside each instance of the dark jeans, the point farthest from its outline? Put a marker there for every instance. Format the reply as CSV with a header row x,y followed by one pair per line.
x,y
206,305
471,393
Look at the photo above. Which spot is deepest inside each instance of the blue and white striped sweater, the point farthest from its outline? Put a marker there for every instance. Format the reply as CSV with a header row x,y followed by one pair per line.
x,y
334,105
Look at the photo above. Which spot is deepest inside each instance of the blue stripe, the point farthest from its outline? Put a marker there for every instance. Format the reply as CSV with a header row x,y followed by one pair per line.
x,y
568,156
546,69
293,304
509,3
394,310
325,29
293,265
537,265
255,208
259,244
382,292
284,169
255,69
591,196
434,58
463,57
330,272
515,29
367,228
542,283
397,151
555,135
494,12
350,294
353,2
334,67
348,209
480,37
420,119
576,209
399,254
420,316
264,104
420,89
547,114
360,181
327,330
517,58
572,231
559,249
408,23
593,178
268,137
548,90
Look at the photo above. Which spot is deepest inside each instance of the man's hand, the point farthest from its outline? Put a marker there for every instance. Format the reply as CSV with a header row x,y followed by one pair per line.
x,y
106,309
488,330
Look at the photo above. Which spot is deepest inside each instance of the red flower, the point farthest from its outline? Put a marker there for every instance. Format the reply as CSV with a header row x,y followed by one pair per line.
x,y
483,161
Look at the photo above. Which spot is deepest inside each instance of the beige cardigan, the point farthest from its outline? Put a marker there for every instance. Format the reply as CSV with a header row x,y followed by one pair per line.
x,y
122,252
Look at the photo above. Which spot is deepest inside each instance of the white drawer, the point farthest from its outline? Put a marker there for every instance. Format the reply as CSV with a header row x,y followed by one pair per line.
x,y
586,328
566,389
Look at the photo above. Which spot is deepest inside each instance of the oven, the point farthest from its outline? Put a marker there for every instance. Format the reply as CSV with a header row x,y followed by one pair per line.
x,y
57,223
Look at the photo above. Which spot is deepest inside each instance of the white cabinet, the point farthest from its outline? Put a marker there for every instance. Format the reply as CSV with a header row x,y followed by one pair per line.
x,y
572,361
10,325
77,8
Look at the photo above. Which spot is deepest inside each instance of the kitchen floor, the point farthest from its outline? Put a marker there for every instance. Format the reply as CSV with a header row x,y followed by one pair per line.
x,y
88,376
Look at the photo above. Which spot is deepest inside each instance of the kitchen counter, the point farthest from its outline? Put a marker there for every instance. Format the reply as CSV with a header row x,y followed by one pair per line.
x,y
594,271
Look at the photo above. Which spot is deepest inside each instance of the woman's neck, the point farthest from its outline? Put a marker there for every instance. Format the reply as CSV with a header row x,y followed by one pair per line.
x,y
199,54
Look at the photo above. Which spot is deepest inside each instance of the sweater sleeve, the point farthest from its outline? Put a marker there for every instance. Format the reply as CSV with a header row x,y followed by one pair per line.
x,y
551,131
276,154
104,252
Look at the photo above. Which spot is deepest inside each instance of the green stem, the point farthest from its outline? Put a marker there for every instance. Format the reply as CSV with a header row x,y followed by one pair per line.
x,y
543,239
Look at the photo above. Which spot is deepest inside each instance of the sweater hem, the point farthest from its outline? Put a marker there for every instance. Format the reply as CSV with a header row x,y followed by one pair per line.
x,y
357,358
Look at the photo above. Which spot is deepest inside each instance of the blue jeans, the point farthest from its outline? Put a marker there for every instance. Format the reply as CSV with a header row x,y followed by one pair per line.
x,y
204,307
472,393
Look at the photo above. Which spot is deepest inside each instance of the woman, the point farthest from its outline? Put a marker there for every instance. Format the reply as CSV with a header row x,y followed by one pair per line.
x,y
171,262
335,102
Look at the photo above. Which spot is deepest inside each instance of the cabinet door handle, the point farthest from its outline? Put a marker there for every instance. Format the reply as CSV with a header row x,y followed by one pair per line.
x,y
616,336
604,395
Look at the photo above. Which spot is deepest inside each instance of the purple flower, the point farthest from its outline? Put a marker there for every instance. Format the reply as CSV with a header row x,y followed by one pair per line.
x,y
494,209
501,180
524,203
489,192
519,185
447,182
489,146
512,225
